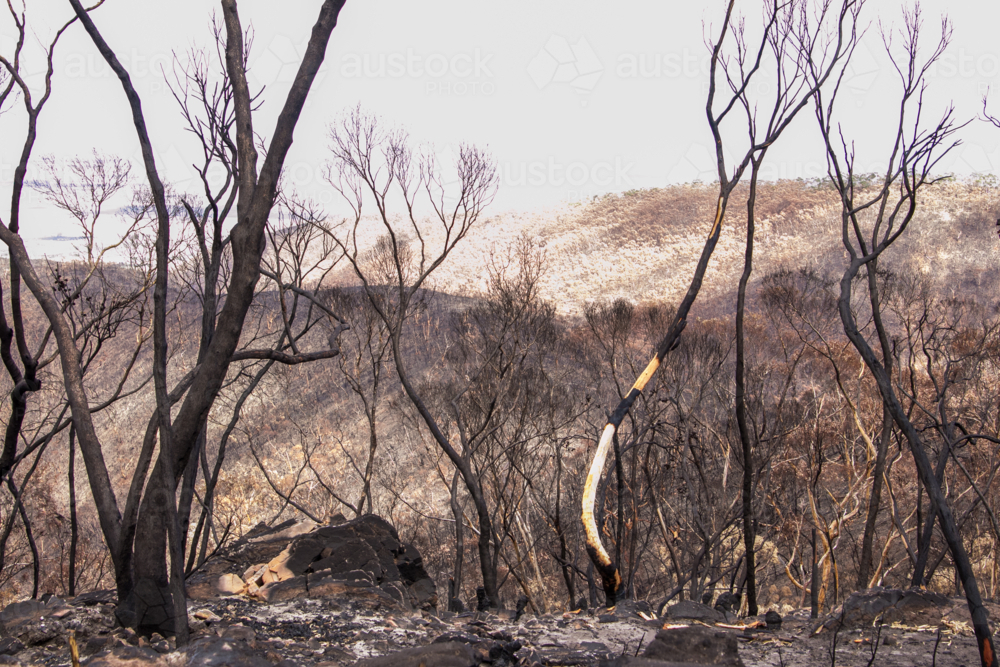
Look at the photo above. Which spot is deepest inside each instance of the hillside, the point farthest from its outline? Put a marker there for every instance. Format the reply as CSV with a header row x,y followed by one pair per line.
x,y
305,434
643,245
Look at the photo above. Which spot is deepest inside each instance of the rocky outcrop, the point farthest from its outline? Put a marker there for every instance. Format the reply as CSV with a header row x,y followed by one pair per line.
x,y
685,647
689,610
361,560
915,606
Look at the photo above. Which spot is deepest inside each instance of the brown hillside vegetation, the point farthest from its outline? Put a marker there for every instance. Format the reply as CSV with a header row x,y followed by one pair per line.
x,y
672,516
643,245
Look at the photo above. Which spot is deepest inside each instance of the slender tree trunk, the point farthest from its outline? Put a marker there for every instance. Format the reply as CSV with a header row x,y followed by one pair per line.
x,y
564,552
74,534
455,591
926,533
620,507
814,580
746,439
980,619
866,565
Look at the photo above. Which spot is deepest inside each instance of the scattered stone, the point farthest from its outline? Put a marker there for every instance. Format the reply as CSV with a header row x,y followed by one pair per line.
x,y
239,633
206,615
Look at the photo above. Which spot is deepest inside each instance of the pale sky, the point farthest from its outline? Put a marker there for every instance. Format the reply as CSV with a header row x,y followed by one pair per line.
x,y
573,99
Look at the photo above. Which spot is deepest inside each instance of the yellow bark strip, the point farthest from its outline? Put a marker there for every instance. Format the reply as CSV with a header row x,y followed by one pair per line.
x,y
590,495
640,384
74,651
718,219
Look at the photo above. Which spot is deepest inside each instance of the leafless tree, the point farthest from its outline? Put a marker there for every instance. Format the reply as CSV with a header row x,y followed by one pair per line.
x,y
790,32
872,220
149,599
371,164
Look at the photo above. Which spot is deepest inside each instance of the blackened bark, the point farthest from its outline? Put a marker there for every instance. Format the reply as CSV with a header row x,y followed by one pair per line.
x,y
746,440
980,619
74,534
256,197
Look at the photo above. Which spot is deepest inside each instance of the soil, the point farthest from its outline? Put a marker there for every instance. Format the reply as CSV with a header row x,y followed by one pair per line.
x,y
332,633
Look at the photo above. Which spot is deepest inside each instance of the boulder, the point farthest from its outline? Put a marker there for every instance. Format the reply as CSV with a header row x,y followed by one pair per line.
x,y
302,560
289,589
914,606
728,602
694,611
694,645
32,622
230,584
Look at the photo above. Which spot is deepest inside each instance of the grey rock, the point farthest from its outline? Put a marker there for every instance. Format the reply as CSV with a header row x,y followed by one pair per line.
x,y
694,611
695,644
450,654
10,645
914,606
727,602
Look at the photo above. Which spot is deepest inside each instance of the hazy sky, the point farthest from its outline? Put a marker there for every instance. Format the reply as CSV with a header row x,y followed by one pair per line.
x,y
574,99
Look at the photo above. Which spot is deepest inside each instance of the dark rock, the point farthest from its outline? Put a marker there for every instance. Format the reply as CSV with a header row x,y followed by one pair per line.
x,y
583,656
95,644
397,592
450,654
728,602
239,633
125,656
424,594
94,598
10,646
483,602
457,636
522,604
629,608
17,612
773,620
455,605
288,589
581,604
324,585
350,557
694,644
690,610
914,606
366,550
35,631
